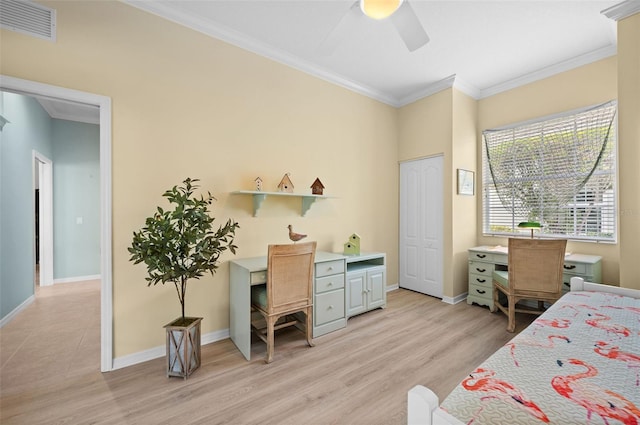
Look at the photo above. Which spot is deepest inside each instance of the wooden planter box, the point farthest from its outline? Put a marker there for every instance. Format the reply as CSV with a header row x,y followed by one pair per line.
x,y
183,346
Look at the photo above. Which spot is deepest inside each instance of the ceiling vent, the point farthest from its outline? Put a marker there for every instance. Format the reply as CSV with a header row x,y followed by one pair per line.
x,y
28,18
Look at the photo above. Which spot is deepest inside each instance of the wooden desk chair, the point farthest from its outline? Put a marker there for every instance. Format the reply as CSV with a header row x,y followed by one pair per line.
x,y
535,273
288,290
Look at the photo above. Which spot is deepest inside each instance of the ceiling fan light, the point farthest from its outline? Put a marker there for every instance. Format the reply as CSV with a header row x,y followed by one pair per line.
x,y
379,9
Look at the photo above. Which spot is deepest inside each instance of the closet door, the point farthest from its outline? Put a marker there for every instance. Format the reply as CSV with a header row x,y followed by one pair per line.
x,y
421,222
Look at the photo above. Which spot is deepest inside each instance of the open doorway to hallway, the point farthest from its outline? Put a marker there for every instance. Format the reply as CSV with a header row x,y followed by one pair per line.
x,y
66,96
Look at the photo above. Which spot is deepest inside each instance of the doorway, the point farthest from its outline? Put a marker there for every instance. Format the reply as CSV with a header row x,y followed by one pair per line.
x,y
421,224
31,88
43,190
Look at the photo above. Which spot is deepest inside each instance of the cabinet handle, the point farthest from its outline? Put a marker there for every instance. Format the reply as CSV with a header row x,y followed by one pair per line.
x,y
480,255
330,268
481,270
330,307
330,284
481,280
480,291
571,267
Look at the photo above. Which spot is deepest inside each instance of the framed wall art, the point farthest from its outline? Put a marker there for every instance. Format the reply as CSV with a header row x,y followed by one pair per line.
x,y
466,183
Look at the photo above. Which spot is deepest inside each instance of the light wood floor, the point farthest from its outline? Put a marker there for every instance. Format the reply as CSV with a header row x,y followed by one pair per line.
x,y
50,358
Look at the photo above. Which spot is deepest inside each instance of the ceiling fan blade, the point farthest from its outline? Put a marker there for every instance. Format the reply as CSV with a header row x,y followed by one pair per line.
x,y
341,31
409,27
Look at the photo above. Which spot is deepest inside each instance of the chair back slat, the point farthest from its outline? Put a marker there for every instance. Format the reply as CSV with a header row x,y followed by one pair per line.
x,y
536,266
290,276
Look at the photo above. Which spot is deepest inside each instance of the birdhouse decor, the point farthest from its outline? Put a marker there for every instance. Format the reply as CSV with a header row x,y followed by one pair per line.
x,y
317,187
353,246
258,181
285,184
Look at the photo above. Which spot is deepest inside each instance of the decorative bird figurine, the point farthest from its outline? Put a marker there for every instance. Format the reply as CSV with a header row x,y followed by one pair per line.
x,y
295,237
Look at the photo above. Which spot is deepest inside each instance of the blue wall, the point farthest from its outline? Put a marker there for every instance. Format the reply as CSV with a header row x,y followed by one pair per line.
x,y
76,197
74,149
29,129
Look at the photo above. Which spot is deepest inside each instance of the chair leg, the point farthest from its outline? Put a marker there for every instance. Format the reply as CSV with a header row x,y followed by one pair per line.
x,y
309,326
494,306
511,326
270,338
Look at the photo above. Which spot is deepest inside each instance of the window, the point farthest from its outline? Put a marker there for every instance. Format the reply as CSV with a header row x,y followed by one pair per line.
x,y
559,172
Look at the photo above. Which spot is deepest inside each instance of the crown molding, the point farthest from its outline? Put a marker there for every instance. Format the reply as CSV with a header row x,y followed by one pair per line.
x,y
622,10
549,71
70,111
430,90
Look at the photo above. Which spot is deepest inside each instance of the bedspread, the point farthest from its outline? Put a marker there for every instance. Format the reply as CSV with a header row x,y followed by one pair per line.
x,y
577,363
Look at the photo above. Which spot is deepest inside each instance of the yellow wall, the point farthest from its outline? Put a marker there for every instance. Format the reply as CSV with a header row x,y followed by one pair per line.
x,y
464,213
425,129
629,154
445,123
588,85
185,104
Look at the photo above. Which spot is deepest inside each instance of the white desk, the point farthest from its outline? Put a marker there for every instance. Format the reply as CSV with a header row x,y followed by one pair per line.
x,y
245,272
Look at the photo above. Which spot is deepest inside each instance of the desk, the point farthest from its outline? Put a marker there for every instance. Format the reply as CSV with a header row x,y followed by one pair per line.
x,y
245,272
483,260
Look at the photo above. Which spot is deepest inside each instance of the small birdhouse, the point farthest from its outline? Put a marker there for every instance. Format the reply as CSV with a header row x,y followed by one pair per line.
x,y
351,249
285,184
258,181
316,187
353,246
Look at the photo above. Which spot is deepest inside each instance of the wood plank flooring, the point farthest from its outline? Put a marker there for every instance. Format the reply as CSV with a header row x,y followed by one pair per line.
x,y
358,375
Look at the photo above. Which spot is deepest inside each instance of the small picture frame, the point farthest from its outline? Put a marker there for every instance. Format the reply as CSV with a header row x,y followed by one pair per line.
x,y
466,184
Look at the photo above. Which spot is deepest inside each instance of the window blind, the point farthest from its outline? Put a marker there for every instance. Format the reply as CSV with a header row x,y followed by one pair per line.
x,y
559,171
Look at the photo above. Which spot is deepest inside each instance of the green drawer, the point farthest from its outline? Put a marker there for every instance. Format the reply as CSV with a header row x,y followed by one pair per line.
x,y
329,267
480,279
328,307
329,283
484,269
479,291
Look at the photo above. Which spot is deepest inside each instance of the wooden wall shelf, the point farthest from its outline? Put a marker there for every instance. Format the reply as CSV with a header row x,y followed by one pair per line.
x,y
259,197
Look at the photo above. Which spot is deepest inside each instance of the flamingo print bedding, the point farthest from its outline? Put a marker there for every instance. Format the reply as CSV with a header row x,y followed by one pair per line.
x,y
578,363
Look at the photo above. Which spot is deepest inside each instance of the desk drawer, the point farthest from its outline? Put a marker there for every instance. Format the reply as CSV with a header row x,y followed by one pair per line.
x,y
484,269
575,268
328,307
480,279
479,291
329,283
328,268
258,277
480,256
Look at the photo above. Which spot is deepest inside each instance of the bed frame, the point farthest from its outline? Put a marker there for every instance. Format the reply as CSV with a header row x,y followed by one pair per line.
x,y
423,404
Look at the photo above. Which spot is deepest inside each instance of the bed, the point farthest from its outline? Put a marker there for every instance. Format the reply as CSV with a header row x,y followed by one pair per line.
x,y
577,363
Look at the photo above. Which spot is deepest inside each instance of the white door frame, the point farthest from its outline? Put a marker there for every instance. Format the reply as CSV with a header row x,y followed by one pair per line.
x,y
45,183
32,88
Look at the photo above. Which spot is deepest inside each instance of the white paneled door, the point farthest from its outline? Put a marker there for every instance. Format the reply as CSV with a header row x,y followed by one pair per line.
x,y
421,222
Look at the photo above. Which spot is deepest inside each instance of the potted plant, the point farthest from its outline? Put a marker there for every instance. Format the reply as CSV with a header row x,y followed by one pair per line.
x,y
177,245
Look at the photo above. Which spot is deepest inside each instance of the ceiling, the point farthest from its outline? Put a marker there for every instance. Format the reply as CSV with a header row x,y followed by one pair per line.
x,y
480,47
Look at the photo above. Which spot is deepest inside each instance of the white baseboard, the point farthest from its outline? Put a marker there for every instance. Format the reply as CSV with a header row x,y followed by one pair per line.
x,y
77,279
6,319
392,287
455,300
160,351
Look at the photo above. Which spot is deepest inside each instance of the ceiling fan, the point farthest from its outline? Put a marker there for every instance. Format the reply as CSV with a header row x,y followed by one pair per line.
x,y
399,12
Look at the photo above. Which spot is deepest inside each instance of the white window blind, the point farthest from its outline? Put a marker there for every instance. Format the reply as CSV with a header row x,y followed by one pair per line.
x,y
560,172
